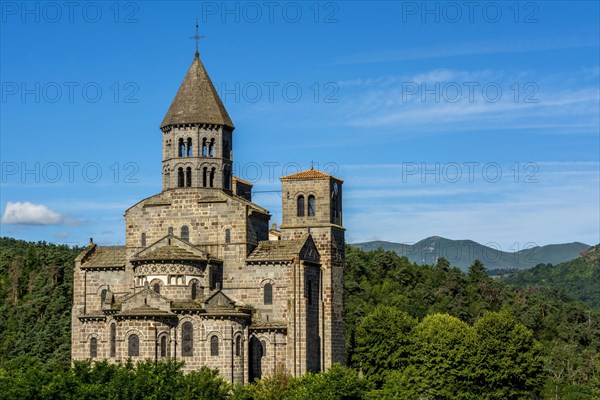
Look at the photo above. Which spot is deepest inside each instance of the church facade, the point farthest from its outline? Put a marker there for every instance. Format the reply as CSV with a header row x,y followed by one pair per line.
x,y
200,278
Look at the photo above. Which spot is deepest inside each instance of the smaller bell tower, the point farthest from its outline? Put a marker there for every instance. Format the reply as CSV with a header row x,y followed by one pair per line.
x,y
312,203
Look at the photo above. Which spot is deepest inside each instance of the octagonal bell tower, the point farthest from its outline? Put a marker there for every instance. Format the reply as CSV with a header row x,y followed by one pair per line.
x,y
197,136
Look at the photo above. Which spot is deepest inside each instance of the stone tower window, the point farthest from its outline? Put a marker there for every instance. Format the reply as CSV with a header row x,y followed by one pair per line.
x,y
133,346
102,297
204,148
93,347
188,177
204,176
181,148
228,235
180,178
163,346
187,339
300,206
311,206
212,177
268,294
211,148
226,150
214,346
226,179
189,147
143,239
238,346
185,233
113,340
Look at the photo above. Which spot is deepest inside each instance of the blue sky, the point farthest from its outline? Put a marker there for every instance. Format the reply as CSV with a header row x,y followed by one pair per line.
x,y
469,122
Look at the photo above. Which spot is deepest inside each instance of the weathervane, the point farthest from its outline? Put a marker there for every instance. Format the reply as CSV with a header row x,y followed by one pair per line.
x,y
197,37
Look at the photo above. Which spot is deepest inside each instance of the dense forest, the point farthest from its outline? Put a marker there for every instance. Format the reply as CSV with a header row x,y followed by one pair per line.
x,y
412,332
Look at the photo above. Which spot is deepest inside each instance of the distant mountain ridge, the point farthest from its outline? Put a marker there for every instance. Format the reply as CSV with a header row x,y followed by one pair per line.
x,y
462,253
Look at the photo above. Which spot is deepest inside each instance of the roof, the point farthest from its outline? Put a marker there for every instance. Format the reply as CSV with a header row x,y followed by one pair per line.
x,y
235,178
277,250
169,252
105,256
197,101
309,174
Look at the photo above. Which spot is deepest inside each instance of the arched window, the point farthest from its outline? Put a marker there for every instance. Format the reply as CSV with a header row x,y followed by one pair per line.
x,y
156,287
187,339
212,177
185,233
188,177
133,346
311,206
93,347
264,348
228,235
102,297
226,175
189,147
180,178
181,148
301,206
143,239
238,346
163,346
214,346
113,340
204,176
170,230
211,148
194,290
268,294
204,148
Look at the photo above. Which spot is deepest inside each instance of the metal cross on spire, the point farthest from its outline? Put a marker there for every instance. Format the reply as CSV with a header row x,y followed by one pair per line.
x,y
197,37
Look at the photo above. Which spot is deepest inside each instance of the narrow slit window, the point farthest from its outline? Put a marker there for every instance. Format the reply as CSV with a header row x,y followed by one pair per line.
x,y
301,206
268,294
214,346
311,206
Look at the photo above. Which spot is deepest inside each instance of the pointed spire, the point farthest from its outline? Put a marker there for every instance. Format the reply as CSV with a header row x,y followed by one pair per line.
x,y
197,101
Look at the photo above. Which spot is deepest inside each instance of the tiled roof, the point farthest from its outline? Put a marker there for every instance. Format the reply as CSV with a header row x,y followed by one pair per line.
x,y
197,101
169,252
143,311
235,178
308,174
105,256
259,325
277,250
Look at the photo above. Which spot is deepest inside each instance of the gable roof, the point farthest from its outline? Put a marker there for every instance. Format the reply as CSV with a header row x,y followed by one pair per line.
x,y
197,101
168,248
103,257
309,174
281,250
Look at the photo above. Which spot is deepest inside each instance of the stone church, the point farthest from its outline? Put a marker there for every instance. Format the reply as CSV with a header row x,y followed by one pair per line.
x,y
200,278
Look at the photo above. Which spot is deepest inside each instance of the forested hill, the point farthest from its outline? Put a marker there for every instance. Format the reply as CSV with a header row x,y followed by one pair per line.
x,y
36,283
579,278
413,331
462,253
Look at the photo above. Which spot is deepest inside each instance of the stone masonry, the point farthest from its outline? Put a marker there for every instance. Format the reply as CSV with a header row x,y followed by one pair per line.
x,y
198,279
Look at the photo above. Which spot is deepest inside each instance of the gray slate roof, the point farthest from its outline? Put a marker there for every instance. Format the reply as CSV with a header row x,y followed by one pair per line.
x,y
197,101
105,256
171,252
277,250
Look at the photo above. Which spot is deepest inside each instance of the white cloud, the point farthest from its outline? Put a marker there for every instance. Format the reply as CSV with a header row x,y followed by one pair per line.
x,y
30,214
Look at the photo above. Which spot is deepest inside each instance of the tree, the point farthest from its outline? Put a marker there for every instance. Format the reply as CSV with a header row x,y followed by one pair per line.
x,y
508,363
383,342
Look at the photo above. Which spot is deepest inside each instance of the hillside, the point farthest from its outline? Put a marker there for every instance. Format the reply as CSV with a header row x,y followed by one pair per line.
x,y
462,253
579,278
